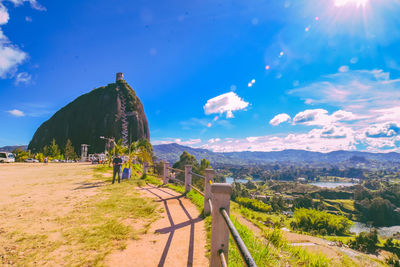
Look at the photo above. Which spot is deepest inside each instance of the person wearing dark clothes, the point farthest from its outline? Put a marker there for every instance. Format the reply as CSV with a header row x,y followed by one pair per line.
x,y
117,163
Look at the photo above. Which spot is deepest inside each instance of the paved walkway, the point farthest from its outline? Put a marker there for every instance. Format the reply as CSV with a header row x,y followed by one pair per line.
x,y
177,239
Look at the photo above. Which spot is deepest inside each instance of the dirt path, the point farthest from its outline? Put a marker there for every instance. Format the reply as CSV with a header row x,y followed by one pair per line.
x,y
177,239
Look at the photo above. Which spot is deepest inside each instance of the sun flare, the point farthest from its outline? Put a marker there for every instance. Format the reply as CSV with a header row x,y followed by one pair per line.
x,y
358,3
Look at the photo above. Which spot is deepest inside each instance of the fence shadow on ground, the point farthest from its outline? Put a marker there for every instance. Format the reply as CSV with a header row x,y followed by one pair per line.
x,y
173,227
88,185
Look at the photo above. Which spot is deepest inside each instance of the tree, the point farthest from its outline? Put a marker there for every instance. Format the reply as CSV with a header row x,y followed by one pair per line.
x,y
187,159
52,150
365,242
69,151
40,157
140,150
21,155
118,148
305,201
315,221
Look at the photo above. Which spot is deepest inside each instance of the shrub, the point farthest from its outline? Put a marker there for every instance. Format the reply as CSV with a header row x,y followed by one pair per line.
x,y
393,261
365,242
321,222
253,204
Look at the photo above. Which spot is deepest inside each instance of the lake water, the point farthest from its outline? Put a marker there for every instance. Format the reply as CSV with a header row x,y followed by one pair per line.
x,y
383,231
332,184
230,180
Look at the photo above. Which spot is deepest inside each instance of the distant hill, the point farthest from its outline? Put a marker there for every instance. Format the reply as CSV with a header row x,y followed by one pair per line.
x,y
110,111
12,148
171,153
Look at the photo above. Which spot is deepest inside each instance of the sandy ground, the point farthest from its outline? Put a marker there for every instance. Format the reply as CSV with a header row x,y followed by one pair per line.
x,y
32,194
177,239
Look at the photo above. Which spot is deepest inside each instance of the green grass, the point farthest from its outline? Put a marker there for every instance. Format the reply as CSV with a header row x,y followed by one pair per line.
x,y
27,249
298,255
261,252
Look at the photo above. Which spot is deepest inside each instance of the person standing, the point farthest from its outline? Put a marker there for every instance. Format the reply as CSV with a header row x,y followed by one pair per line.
x,y
117,163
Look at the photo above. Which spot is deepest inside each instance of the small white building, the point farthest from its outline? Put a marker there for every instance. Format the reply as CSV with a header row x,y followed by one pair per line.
x,y
301,180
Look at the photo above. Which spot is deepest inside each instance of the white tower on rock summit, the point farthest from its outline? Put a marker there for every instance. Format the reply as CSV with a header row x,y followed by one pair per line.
x,y
120,76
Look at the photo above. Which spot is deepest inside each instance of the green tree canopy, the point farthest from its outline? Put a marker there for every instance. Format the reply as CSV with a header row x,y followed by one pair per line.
x,y
187,159
69,151
52,150
21,155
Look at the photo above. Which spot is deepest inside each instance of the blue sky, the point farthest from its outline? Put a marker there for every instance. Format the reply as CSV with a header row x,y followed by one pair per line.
x,y
223,75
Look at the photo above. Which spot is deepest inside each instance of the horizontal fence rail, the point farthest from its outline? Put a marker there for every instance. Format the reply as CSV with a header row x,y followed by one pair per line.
x,y
178,181
176,170
216,203
197,190
198,175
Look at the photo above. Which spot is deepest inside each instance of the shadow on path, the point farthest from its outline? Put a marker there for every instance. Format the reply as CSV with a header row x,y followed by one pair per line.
x,y
89,185
173,227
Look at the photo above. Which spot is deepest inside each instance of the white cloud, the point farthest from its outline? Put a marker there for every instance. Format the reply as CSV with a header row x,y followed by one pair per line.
x,y
322,140
225,103
383,130
16,113
312,117
387,114
4,16
189,142
280,118
28,19
344,69
34,4
22,77
332,131
342,115
214,140
10,55
357,91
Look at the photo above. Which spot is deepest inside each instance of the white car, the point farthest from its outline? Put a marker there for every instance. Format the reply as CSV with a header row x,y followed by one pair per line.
x,y
7,157
32,160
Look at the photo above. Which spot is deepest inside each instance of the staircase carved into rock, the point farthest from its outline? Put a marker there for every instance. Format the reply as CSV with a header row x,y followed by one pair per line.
x,y
124,119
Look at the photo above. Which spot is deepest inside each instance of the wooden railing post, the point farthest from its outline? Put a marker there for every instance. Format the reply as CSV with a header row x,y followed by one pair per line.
x,y
144,168
188,177
221,196
165,173
209,177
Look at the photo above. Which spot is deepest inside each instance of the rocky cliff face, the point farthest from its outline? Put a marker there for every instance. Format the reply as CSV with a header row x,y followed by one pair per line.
x,y
110,111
